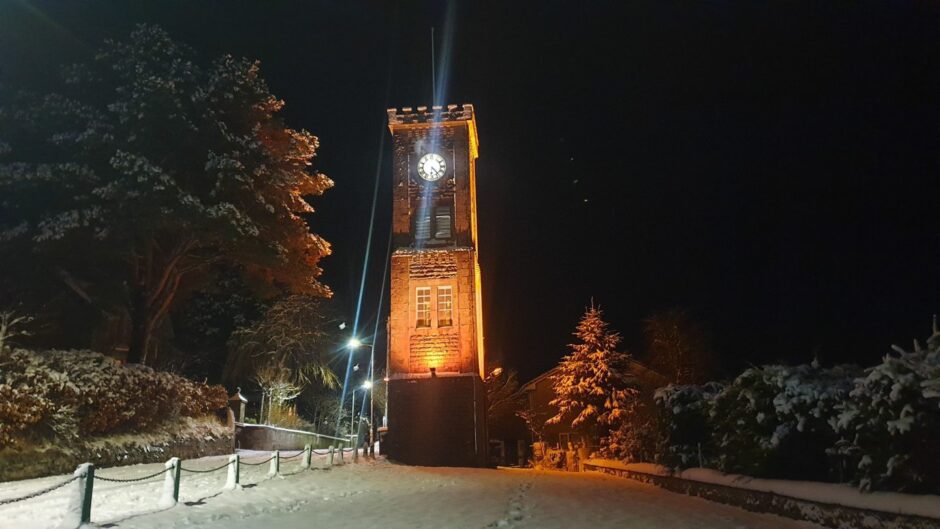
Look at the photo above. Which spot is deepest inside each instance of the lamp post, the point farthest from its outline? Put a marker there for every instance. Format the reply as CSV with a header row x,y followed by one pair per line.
x,y
367,385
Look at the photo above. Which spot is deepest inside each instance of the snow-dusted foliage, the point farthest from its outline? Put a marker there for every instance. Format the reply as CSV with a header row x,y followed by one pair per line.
x,y
890,425
593,387
684,425
148,167
61,395
876,428
773,420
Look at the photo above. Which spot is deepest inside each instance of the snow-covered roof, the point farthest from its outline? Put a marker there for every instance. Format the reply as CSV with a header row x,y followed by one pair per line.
x,y
638,368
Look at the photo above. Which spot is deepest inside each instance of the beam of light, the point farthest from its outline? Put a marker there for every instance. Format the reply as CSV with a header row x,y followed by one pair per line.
x,y
365,269
365,260
440,66
378,315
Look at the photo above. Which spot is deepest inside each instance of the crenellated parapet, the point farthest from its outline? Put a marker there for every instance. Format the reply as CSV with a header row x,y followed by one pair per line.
x,y
436,114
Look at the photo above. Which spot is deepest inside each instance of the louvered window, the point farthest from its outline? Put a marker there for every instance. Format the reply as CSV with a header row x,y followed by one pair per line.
x,y
442,223
433,225
423,225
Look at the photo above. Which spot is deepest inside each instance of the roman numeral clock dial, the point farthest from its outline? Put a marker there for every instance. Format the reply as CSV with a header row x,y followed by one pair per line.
x,y
431,167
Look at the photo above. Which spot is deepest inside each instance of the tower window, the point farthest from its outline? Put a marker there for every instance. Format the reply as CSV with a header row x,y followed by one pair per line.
x,y
445,306
423,225
434,224
442,223
423,307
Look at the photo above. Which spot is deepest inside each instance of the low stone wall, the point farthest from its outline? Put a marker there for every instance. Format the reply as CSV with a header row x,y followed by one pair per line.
x,y
829,515
265,437
193,439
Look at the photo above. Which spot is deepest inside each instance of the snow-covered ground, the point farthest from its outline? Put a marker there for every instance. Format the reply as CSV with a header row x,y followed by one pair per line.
x,y
381,494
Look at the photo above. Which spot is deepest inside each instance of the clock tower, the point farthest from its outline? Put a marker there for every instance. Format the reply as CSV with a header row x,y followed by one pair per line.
x,y
436,399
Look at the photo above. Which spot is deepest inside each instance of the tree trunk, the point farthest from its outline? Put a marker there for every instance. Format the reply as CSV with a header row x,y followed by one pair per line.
x,y
155,282
141,330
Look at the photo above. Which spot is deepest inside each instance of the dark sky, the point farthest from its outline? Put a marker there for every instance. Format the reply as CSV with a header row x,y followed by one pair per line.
x,y
771,166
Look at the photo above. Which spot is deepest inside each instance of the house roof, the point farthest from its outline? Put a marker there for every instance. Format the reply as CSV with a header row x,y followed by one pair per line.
x,y
638,369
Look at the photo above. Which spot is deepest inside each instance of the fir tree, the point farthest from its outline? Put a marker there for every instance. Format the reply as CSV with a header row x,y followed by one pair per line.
x,y
593,388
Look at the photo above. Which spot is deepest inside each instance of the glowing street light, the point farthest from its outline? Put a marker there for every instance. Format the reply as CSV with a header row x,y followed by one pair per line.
x,y
353,344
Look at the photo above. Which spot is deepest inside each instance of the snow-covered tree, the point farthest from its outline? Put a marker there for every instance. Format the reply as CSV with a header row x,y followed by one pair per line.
x,y
773,420
145,168
890,424
683,424
593,386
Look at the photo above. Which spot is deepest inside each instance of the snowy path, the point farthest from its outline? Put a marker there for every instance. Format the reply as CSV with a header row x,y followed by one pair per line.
x,y
380,494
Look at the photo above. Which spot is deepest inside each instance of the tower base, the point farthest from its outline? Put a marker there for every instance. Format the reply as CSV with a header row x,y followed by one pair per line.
x,y
437,421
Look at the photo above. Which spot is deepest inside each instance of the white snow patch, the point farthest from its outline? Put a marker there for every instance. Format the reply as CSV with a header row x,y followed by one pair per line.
x,y
846,495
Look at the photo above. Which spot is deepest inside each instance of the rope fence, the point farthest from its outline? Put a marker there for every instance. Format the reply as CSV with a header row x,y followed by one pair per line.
x,y
258,463
207,471
38,492
132,480
79,510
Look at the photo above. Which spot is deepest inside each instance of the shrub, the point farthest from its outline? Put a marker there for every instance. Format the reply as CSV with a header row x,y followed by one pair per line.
x,y
683,424
63,394
773,421
890,424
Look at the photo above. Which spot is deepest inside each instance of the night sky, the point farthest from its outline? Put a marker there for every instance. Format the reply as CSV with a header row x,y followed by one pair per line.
x,y
773,167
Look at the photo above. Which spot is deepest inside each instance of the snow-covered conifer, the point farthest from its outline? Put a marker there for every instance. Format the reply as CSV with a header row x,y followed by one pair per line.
x,y
594,389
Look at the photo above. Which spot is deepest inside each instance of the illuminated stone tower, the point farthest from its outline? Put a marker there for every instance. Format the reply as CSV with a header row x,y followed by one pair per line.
x,y
436,400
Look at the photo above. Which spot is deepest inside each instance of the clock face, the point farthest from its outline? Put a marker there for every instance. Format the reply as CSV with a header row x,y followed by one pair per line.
x,y
431,167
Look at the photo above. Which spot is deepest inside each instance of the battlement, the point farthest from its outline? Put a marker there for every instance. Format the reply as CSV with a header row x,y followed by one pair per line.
x,y
437,114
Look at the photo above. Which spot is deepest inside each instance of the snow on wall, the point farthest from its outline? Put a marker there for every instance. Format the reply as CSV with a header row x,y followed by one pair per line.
x,y
832,505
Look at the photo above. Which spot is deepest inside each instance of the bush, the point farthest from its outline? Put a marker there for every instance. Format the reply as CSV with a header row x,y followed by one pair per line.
x,y
890,424
683,424
635,437
878,431
773,421
60,395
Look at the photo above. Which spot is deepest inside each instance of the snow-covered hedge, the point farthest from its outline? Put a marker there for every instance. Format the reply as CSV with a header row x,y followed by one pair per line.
x,y
683,424
876,428
890,425
61,395
774,420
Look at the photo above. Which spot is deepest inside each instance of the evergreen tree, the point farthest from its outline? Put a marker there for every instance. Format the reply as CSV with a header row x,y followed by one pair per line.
x,y
593,388
145,169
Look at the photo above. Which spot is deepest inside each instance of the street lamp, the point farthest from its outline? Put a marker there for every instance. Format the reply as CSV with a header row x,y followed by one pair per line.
x,y
367,385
